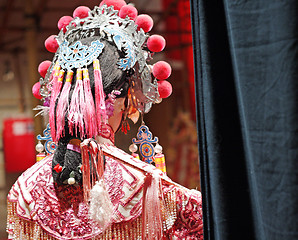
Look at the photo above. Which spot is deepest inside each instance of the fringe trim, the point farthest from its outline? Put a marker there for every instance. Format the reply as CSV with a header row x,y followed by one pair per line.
x,y
21,229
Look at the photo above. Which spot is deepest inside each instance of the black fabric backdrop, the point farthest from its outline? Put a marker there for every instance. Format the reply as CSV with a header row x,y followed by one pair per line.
x,y
246,77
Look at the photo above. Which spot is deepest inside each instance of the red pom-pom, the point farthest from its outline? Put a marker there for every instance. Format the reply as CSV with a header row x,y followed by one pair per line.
x,y
164,88
43,67
118,4
129,11
145,22
51,43
81,12
63,22
156,43
161,70
35,90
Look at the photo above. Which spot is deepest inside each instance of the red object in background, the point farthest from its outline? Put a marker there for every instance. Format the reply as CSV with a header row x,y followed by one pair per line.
x,y
179,21
19,144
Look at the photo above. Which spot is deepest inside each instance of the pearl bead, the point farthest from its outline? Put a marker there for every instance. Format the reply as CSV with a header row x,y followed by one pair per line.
x,y
133,148
158,148
39,147
71,181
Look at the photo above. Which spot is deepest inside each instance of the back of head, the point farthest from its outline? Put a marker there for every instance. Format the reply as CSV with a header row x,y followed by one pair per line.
x,y
97,53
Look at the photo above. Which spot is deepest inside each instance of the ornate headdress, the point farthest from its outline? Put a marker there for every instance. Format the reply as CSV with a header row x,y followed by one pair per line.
x,y
118,28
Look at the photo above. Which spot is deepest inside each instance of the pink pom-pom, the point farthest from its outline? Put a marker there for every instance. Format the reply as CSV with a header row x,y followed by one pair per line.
x,y
35,90
129,11
63,22
81,12
164,88
43,67
118,4
156,43
145,22
51,44
161,70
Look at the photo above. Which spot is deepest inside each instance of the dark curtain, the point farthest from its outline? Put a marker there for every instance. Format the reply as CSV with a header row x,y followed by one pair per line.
x,y
246,76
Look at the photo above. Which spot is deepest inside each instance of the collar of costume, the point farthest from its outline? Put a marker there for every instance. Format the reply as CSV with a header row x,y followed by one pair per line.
x,y
59,210
107,132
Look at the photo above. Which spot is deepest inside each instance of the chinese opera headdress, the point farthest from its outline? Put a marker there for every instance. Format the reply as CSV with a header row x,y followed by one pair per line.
x,y
72,100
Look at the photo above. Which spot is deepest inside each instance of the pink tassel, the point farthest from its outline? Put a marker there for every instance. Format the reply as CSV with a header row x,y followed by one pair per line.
x,y
95,192
77,107
99,96
97,163
100,164
152,222
62,105
57,84
91,153
53,85
90,117
85,169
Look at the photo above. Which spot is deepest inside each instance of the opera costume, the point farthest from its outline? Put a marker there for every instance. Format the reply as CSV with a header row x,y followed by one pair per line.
x,y
88,188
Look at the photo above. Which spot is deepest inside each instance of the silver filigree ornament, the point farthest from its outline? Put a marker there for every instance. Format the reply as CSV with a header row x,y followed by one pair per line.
x,y
104,22
49,145
78,55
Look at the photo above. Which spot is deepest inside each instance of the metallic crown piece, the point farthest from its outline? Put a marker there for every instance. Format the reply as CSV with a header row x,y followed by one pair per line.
x,y
104,22
77,54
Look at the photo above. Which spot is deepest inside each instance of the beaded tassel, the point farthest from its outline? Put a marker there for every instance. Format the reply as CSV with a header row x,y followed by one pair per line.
x,y
19,228
63,104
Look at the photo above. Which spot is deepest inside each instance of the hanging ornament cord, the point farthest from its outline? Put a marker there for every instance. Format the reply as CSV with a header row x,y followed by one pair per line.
x,y
151,210
92,165
101,207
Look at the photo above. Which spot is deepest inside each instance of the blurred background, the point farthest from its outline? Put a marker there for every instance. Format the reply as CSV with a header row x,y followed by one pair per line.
x,y
24,26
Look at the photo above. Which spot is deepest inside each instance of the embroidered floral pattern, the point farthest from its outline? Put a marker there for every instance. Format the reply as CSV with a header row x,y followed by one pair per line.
x,y
114,181
189,223
124,188
61,210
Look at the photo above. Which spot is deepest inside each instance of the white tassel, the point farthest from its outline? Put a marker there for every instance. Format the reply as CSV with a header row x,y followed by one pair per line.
x,y
101,207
